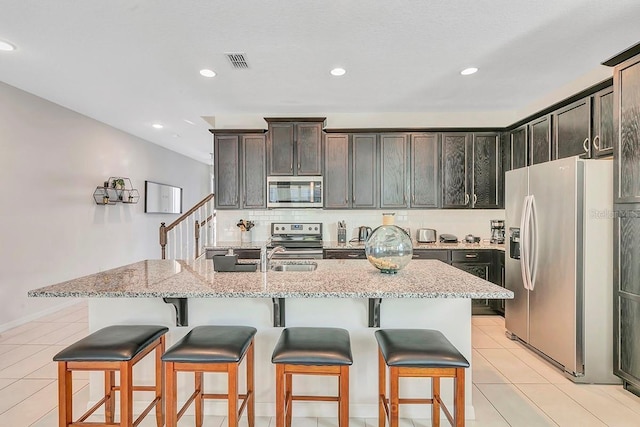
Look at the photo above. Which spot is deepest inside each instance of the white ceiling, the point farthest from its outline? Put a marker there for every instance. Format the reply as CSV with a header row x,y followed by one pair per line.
x,y
131,63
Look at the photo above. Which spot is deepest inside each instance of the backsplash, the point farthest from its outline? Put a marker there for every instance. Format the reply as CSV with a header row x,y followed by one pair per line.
x,y
459,222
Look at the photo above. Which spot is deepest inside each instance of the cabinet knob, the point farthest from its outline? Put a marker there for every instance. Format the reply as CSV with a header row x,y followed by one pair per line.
x,y
596,142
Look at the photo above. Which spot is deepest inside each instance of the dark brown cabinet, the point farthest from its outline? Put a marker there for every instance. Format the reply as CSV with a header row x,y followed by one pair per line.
x,y
518,147
425,160
364,171
295,147
455,190
344,254
336,171
393,170
240,179
540,131
603,123
498,279
439,254
572,130
486,171
479,263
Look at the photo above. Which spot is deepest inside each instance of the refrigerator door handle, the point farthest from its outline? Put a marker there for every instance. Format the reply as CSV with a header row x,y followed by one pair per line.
x,y
524,243
534,243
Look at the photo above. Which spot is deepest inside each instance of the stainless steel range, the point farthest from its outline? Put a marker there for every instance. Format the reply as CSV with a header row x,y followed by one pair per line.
x,y
302,240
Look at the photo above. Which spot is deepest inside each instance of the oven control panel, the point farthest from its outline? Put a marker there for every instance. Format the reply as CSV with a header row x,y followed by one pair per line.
x,y
296,228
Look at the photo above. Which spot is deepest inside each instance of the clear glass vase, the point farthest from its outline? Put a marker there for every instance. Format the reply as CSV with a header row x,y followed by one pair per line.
x,y
389,248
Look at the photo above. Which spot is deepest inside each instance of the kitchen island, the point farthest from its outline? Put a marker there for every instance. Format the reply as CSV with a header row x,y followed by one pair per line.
x,y
339,293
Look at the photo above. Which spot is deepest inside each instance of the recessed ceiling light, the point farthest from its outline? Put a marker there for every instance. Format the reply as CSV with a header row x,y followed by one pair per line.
x,y
157,125
207,73
469,71
6,46
338,72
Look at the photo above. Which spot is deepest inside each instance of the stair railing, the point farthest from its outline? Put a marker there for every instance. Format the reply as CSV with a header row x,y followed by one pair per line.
x,y
185,237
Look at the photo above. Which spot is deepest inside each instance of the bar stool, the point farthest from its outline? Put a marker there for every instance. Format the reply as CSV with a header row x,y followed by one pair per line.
x,y
418,353
311,351
211,349
112,349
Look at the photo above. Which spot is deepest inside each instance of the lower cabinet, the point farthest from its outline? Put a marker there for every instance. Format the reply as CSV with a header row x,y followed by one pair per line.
x,y
242,253
484,264
344,254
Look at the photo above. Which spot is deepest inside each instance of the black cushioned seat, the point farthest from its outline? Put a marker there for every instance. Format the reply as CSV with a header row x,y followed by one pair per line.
x,y
424,348
113,343
211,344
313,346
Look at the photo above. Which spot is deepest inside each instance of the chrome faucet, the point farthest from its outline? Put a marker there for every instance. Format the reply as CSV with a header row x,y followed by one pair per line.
x,y
265,256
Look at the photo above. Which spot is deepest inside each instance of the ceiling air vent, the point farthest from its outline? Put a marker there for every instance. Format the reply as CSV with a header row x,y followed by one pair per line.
x,y
237,60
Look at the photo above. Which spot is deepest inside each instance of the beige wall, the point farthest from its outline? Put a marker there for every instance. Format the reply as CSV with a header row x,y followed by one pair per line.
x,y
51,160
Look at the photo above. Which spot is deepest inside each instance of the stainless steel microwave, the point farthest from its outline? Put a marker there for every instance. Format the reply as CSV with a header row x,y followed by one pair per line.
x,y
294,192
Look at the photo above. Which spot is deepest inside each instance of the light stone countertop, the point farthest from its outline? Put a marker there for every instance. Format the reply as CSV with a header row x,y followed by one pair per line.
x,y
331,279
356,245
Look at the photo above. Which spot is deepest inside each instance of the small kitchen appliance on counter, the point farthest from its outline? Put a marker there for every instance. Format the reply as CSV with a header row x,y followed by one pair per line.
x,y
448,238
301,240
497,231
426,235
363,233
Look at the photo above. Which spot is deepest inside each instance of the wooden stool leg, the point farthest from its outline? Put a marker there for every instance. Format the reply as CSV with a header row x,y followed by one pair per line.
x,y
171,394
393,397
160,383
435,408
126,394
198,401
459,397
65,393
110,403
232,373
344,396
251,404
280,395
382,389
288,398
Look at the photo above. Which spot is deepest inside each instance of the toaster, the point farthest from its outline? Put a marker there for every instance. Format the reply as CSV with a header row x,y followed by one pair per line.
x,y
426,235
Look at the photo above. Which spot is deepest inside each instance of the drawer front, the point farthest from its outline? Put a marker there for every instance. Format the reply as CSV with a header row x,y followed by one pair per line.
x,y
344,254
471,256
247,253
442,255
211,252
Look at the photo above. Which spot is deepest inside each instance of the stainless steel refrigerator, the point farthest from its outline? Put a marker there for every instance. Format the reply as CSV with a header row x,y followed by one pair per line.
x,y
559,251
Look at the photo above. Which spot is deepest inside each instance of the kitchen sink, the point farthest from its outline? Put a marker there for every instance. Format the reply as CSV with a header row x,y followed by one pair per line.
x,y
307,266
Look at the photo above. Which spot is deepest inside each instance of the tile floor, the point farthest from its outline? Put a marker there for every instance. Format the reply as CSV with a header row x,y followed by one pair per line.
x,y
511,385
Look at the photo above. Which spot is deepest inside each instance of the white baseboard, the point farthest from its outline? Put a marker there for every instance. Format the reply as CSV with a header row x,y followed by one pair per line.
x,y
37,315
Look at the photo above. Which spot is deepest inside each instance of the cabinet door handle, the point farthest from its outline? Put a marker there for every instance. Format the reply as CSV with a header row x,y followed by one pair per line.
x,y
298,165
415,256
291,166
475,199
596,142
584,145
346,200
404,200
471,256
353,255
466,199
413,198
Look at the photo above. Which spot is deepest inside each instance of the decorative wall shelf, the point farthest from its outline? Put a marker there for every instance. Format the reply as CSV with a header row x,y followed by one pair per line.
x,y
116,189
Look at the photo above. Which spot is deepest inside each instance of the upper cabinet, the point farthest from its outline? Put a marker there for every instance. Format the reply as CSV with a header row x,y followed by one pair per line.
x,y
603,123
364,166
487,171
540,131
425,180
393,170
518,147
626,83
572,129
455,190
295,146
240,165
336,171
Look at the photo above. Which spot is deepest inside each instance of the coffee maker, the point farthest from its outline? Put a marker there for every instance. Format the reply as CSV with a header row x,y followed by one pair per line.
x,y
497,231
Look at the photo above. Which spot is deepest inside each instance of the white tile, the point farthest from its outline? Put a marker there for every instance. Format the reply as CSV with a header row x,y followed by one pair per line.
x,y
6,381
333,422
73,338
558,406
484,372
510,366
481,340
514,406
604,406
19,353
5,348
19,391
65,330
80,402
498,333
31,363
540,365
17,331
628,399
35,333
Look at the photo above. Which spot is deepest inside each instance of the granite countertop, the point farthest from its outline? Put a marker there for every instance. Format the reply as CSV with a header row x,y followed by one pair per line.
x,y
331,279
356,245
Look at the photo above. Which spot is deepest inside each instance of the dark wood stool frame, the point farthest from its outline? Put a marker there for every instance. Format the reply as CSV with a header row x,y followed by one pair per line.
x,y
126,389
285,396
388,408
234,413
